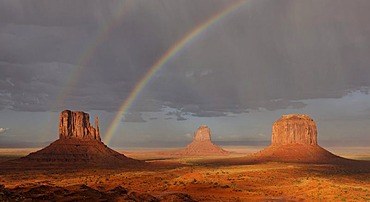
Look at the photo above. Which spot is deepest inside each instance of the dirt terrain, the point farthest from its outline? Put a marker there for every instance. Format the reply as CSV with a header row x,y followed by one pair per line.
x,y
169,178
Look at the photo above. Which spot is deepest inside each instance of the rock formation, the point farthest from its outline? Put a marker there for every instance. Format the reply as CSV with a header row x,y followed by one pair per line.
x,y
82,192
79,144
203,134
202,144
294,129
294,139
77,125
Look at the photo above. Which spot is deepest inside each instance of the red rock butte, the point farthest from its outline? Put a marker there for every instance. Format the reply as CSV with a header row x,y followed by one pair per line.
x,y
202,144
79,145
77,125
294,129
294,139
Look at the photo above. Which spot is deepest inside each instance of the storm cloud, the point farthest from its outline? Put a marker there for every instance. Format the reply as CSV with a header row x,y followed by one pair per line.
x,y
133,117
266,54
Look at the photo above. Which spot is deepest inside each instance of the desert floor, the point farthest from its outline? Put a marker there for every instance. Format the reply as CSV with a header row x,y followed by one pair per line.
x,y
207,181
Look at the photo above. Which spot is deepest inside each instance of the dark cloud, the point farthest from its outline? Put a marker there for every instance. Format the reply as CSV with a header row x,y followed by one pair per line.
x,y
135,117
282,104
209,114
179,117
178,114
266,54
275,58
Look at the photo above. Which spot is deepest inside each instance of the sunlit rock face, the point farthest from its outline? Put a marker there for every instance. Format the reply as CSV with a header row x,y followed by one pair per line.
x,y
202,144
294,139
203,134
76,124
294,129
79,145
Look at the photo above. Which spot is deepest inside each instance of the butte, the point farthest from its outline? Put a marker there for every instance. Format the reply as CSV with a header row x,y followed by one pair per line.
x,y
294,139
79,145
202,144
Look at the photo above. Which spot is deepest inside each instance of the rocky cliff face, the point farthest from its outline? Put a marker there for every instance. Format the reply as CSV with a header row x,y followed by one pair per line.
x,y
294,129
76,124
202,144
203,134
79,145
294,139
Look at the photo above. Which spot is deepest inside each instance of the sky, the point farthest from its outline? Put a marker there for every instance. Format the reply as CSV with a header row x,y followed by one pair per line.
x,y
237,74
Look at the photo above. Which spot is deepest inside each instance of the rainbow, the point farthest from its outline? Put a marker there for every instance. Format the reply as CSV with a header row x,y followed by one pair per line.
x,y
90,50
170,53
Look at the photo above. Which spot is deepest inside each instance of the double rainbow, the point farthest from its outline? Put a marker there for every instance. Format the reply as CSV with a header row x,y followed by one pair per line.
x,y
89,51
170,53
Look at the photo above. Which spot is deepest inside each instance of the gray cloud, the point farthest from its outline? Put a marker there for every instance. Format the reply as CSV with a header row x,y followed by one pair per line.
x,y
181,118
135,117
209,114
275,56
267,54
178,114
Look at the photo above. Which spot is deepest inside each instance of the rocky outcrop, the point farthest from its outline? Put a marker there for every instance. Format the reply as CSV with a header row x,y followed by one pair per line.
x,y
203,134
294,139
294,129
79,145
82,192
202,144
77,125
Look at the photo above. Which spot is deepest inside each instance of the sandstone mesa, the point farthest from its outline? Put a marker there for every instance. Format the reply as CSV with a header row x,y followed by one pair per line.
x,y
294,129
202,144
294,139
79,145
77,125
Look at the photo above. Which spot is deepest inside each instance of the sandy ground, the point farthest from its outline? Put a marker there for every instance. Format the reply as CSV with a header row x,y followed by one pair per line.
x,y
206,182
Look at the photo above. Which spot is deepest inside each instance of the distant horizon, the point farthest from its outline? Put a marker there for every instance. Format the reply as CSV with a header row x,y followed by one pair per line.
x,y
165,145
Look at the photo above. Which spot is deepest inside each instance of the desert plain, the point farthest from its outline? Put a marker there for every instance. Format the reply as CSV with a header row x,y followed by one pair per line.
x,y
179,178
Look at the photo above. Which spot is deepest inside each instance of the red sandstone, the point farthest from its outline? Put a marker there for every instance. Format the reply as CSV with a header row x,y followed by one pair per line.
x,y
294,139
202,144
